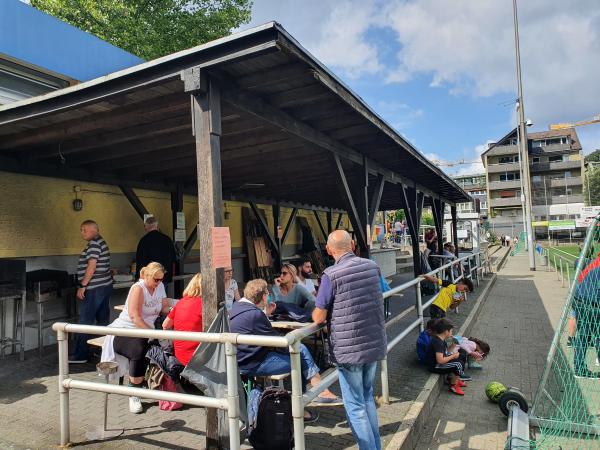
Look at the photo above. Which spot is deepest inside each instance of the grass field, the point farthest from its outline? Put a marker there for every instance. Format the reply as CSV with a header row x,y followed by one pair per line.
x,y
569,255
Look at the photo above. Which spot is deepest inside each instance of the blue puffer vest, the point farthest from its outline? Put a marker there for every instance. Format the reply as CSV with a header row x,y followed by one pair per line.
x,y
356,323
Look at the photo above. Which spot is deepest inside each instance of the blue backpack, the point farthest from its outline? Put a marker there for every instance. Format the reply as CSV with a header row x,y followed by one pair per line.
x,y
423,346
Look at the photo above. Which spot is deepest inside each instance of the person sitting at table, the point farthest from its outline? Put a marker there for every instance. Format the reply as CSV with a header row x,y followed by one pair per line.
x,y
287,289
186,315
247,317
145,301
305,274
232,294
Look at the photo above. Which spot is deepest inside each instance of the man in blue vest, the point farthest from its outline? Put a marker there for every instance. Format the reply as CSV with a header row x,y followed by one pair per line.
x,y
351,301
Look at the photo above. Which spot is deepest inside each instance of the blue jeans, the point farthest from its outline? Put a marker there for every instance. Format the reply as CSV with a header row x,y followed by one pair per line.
x,y
356,381
94,309
276,363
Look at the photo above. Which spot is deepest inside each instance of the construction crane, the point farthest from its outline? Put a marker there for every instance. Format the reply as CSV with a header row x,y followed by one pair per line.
x,y
562,126
439,163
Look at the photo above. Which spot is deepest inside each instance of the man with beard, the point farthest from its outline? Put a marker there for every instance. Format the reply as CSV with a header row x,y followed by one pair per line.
x,y
305,276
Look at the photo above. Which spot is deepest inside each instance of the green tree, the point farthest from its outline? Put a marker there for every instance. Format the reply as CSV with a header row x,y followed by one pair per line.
x,y
591,186
427,218
151,28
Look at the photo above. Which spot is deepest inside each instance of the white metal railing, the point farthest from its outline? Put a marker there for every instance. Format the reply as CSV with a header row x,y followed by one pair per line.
x,y
477,266
562,266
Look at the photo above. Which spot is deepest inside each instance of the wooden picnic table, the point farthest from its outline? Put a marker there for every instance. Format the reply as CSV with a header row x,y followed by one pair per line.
x,y
289,325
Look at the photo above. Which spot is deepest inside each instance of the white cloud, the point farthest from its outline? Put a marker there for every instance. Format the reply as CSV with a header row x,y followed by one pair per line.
x,y
399,115
465,47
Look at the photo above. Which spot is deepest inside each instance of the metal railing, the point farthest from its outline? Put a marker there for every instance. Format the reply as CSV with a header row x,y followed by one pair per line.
x,y
561,263
476,266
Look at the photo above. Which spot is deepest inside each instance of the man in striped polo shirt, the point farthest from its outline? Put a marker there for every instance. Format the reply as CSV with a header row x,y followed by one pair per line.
x,y
94,286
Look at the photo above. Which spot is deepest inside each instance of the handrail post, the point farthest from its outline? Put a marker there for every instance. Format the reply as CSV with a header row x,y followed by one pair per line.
x,y
297,405
385,386
556,267
420,305
562,275
233,400
63,393
568,276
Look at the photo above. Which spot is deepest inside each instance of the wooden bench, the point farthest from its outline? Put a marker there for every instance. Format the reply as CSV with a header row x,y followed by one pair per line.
x,y
97,341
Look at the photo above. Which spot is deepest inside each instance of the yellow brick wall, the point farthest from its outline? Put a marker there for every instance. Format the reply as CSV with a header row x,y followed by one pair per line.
x,y
37,217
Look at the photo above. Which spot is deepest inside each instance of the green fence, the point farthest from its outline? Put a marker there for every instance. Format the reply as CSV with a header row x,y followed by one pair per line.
x,y
566,406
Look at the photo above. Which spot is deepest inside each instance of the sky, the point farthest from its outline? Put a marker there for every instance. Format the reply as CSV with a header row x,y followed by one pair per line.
x,y
442,72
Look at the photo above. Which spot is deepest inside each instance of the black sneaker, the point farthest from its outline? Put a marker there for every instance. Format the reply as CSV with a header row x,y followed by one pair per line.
x,y
569,341
465,377
587,374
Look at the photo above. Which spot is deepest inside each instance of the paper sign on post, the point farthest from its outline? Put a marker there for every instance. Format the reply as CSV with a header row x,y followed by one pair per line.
x,y
180,219
221,247
180,235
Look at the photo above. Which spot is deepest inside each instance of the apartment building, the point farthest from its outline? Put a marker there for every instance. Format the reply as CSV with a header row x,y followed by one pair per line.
x,y
475,185
556,167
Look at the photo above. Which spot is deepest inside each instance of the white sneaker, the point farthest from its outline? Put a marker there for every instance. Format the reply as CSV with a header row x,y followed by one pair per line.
x,y
135,405
597,363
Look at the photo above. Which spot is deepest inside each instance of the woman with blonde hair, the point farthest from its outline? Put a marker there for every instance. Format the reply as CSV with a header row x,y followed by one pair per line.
x,y
287,289
186,315
146,300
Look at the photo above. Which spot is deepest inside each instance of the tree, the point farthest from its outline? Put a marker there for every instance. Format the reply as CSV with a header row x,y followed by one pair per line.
x,y
592,180
151,28
427,218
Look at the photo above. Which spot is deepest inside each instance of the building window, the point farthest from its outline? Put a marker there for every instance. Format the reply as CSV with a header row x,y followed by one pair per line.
x,y
510,176
535,159
555,158
509,159
536,178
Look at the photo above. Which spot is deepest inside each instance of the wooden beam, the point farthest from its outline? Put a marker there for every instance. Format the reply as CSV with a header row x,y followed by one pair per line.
x,y
190,242
264,227
453,213
412,201
376,200
339,221
134,200
321,227
437,207
276,226
288,226
329,215
206,115
177,206
346,193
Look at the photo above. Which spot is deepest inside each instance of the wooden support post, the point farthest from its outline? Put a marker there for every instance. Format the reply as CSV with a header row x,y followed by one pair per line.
x,y
276,228
177,206
288,226
134,201
190,242
206,118
265,229
454,228
321,227
413,208
376,200
329,222
437,208
339,221
352,208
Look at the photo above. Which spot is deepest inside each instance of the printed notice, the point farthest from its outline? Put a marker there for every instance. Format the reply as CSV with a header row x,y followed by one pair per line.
x,y
221,247
180,219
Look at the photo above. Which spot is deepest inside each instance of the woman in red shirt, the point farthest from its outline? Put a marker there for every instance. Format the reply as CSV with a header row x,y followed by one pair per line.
x,y
186,315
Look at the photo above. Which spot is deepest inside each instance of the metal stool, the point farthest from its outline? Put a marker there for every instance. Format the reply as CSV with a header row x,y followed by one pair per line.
x,y
101,433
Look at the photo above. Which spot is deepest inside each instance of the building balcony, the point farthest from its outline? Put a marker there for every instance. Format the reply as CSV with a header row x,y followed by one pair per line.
x,y
509,201
558,199
503,150
555,148
497,168
501,185
472,186
558,182
561,165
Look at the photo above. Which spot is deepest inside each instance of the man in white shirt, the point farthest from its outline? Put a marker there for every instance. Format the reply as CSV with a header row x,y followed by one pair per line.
x,y
304,276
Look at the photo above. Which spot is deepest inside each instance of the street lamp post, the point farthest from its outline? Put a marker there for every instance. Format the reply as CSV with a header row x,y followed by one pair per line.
x,y
524,156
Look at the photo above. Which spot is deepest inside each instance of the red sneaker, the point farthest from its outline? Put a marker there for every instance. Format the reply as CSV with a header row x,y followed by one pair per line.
x,y
461,383
456,389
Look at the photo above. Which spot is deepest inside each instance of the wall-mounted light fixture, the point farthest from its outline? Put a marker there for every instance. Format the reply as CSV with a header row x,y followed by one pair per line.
x,y
77,203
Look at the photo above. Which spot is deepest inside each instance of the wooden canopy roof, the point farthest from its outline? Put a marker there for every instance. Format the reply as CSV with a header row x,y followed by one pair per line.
x,y
284,118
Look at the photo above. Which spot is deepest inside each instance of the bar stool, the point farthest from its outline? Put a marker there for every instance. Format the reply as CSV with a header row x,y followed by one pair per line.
x,y
98,433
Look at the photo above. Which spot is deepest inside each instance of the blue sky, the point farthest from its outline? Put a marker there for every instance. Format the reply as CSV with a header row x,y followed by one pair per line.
x,y
442,72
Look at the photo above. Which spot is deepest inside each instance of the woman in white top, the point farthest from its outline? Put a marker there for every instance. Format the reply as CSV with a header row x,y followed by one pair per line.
x,y
232,294
145,301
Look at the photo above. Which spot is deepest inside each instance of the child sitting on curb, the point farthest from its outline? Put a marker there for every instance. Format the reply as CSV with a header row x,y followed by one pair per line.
x,y
475,349
440,360
423,341
450,296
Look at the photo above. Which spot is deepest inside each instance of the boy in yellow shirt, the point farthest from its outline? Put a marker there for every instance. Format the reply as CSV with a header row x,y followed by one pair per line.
x,y
449,297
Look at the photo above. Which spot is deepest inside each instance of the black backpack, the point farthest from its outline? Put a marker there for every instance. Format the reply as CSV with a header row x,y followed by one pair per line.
x,y
274,427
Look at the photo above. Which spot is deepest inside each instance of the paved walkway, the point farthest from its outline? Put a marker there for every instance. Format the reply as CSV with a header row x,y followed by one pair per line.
x,y
518,320
29,401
